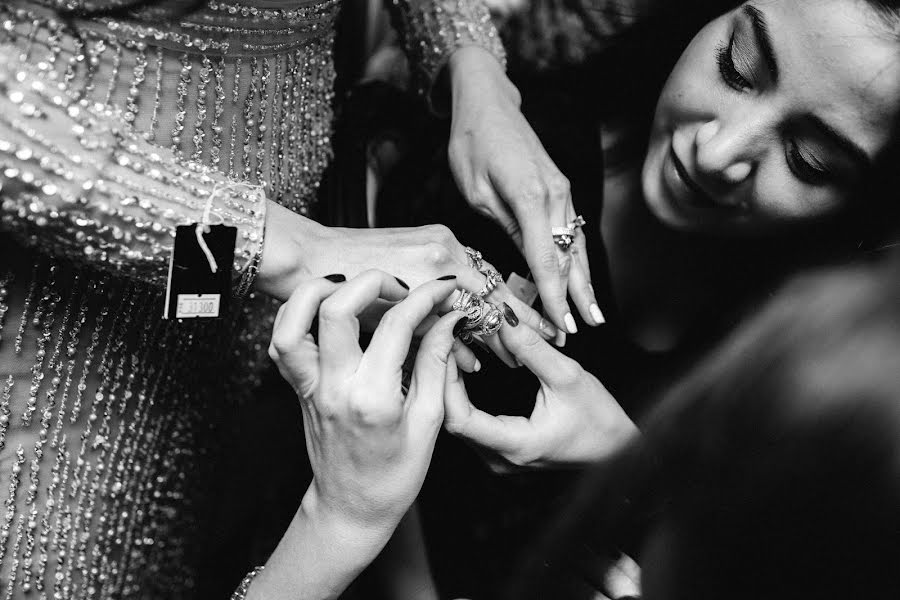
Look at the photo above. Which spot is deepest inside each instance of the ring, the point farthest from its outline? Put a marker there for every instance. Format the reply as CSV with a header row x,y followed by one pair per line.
x,y
563,241
476,261
485,318
493,320
577,222
568,230
493,279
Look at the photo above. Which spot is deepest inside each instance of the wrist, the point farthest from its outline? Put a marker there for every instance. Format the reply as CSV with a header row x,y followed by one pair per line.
x,y
291,243
474,68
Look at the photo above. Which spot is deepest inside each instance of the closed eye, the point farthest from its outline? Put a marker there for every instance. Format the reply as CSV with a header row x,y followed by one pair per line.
x,y
730,75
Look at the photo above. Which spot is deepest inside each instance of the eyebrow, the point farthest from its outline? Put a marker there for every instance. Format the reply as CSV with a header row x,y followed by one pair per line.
x,y
842,141
763,39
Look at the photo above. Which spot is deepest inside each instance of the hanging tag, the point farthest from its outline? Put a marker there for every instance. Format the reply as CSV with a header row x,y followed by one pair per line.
x,y
524,290
200,270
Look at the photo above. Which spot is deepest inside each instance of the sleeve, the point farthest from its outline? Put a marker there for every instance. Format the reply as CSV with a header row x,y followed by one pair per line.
x,y
77,182
433,29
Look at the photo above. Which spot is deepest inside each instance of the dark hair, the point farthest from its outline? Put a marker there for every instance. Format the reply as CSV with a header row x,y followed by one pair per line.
x,y
774,470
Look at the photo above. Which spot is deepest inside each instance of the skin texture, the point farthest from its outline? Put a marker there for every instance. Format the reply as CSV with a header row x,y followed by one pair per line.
x,y
837,61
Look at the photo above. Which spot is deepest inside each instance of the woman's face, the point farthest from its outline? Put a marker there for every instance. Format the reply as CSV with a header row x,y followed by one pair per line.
x,y
772,115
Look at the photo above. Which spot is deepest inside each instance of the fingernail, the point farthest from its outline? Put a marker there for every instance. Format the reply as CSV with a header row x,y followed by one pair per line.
x,y
477,366
570,323
446,278
401,282
336,278
510,315
597,314
560,339
518,362
547,329
460,326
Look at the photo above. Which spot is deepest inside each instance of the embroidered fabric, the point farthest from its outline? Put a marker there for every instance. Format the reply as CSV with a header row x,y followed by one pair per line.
x,y
112,132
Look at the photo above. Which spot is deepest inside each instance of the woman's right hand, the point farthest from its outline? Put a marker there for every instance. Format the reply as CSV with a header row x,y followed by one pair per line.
x,y
369,444
297,249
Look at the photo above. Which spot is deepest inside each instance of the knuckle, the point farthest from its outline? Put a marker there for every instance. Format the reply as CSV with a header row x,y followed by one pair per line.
x,y
437,254
534,191
330,311
568,372
548,260
281,344
440,233
558,185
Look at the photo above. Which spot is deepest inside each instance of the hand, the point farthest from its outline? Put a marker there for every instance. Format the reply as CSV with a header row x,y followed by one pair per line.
x,y
505,174
369,446
575,421
297,249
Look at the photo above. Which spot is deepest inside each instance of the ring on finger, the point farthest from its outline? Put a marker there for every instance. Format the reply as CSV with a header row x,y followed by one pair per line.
x,y
492,280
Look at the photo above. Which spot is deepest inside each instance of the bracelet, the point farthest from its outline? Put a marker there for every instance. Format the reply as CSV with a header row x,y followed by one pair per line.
x,y
241,592
248,277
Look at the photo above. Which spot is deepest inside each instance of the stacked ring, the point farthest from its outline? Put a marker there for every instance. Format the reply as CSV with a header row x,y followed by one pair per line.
x,y
493,277
564,237
484,318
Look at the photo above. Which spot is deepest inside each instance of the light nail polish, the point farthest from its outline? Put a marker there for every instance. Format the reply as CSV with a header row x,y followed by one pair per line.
x,y
477,366
597,314
570,323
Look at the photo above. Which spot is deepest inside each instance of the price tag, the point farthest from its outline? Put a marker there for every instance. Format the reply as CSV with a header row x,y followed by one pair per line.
x,y
200,271
197,305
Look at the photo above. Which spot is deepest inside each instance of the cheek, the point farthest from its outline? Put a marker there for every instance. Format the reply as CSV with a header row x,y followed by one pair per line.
x,y
779,198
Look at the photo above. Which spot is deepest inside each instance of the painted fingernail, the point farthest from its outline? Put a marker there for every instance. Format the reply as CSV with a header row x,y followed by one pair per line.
x,y
510,315
477,366
571,327
401,282
518,362
446,278
460,326
336,278
597,314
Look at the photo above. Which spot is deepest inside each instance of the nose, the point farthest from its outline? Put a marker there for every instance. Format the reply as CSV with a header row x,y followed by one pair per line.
x,y
724,152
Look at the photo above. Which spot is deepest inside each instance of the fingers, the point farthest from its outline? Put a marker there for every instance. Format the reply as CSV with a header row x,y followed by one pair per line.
x,y
583,294
426,390
465,358
540,252
550,366
339,350
503,435
391,340
292,347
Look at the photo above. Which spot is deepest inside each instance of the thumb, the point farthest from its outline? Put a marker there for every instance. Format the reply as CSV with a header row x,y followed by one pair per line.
x,y
426,390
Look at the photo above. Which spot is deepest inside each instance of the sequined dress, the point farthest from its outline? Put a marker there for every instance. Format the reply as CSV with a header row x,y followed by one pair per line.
x,y
113,131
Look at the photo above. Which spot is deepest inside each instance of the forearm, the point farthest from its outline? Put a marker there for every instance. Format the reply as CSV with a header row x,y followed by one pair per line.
x,y
79,183
319,555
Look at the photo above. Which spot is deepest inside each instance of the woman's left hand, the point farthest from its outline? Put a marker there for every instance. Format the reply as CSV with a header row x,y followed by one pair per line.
x,y
505,174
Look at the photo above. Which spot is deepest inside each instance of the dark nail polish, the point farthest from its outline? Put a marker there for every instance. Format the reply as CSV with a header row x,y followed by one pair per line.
x,y
460,326
446,278
401,282
336,278
510,315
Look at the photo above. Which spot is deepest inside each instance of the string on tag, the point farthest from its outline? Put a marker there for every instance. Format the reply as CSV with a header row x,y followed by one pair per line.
x,y
203,227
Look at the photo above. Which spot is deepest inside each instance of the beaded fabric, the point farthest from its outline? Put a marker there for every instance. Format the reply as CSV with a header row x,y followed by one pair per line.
x,y
112,132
